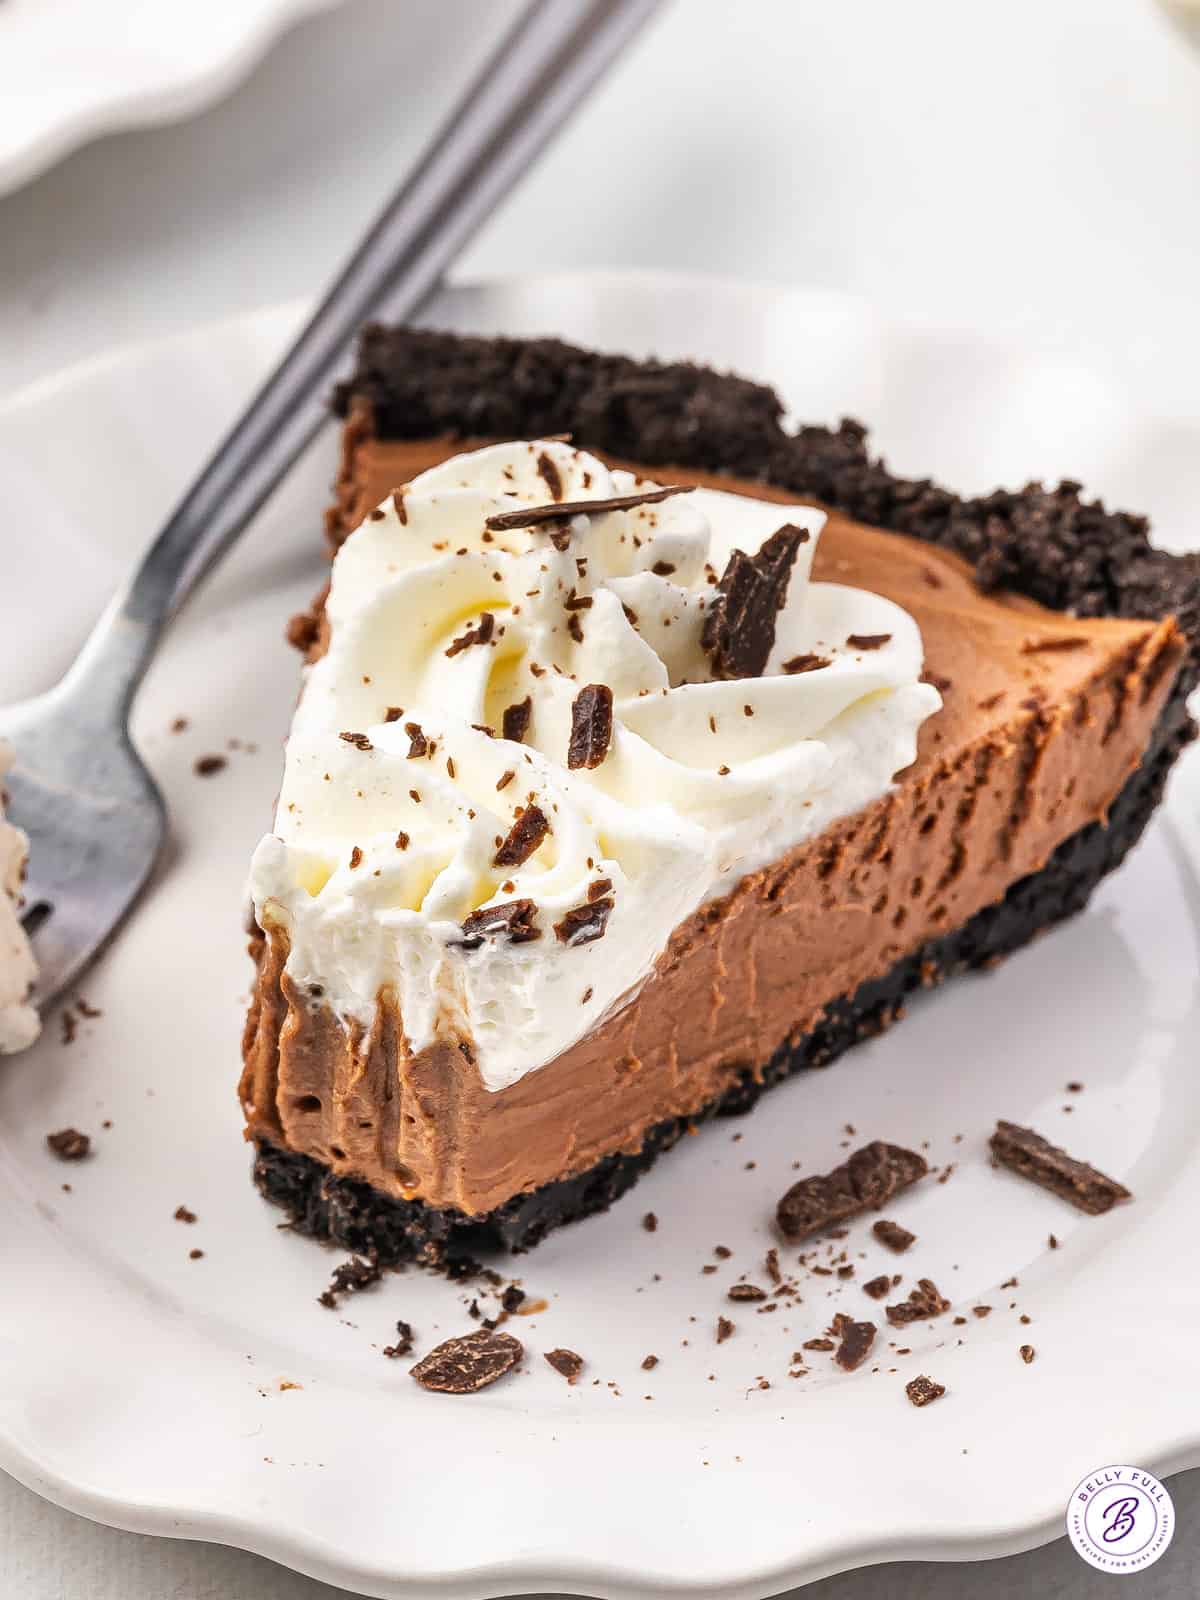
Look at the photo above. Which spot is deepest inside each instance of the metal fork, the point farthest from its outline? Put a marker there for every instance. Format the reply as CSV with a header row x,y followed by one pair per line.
x,y
94,814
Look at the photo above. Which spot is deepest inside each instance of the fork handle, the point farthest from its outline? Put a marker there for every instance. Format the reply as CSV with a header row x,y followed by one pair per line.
x,y
554,54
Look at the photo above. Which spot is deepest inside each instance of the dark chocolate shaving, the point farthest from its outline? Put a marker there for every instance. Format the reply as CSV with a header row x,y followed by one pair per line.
x,y
69,1144
923,1391
524,837
480,634
404,1334
724,1329
878,1287
515,724
568,1362
739,626
547,469
806,663
856,1341
468,1363
358,740
530,516
867,1181
582,924
923,1302
513,917
591,726
1026,1153
418,744
893,1235
746,1291
867,641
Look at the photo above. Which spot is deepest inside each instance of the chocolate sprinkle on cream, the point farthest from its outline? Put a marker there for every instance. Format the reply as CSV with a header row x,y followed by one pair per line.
x,y
591,726
547,470
418,744
806,663
524,837
468,1363
69,1144
923,1391
867,641
1030,1156
893,1235
207,766
856,1341
923,1302
567,1362
867,1181
358,740
516,720
582,924
739,626
530,516
480,634
513,917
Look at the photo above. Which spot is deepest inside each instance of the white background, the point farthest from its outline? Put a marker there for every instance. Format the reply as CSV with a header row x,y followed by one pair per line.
x,y
1020,165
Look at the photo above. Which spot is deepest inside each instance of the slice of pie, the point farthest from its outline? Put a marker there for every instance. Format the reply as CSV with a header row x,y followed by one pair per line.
x,y
634,771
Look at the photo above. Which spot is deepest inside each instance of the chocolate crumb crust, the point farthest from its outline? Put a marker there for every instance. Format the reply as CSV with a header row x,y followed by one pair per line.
x,y
867,1180
469,1363
1030,1156
923,1391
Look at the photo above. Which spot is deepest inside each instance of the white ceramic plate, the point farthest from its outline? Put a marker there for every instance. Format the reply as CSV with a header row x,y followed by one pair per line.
x,y
73,69
142,1387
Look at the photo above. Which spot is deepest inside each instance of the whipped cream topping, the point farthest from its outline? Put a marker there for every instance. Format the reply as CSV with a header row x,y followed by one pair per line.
x,y
19,1024
401,791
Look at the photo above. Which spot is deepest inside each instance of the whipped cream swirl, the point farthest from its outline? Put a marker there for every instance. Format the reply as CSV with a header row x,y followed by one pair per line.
x,y
401,789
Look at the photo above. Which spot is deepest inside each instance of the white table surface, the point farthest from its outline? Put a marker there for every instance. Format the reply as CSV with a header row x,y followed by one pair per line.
x,y
1020,166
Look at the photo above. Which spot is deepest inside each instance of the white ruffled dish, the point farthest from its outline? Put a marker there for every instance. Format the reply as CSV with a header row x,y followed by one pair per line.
x,y
73,69
147,1389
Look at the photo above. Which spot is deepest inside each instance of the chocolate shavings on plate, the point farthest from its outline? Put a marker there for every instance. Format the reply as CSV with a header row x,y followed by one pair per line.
x,y
878,1287
568,1362
893,1235
856,1341
69,1144
739,626
1026,1153
531,516
404,1342
923,1302
923,1391
867,1181
469,1363
524,837
513,917
591,726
